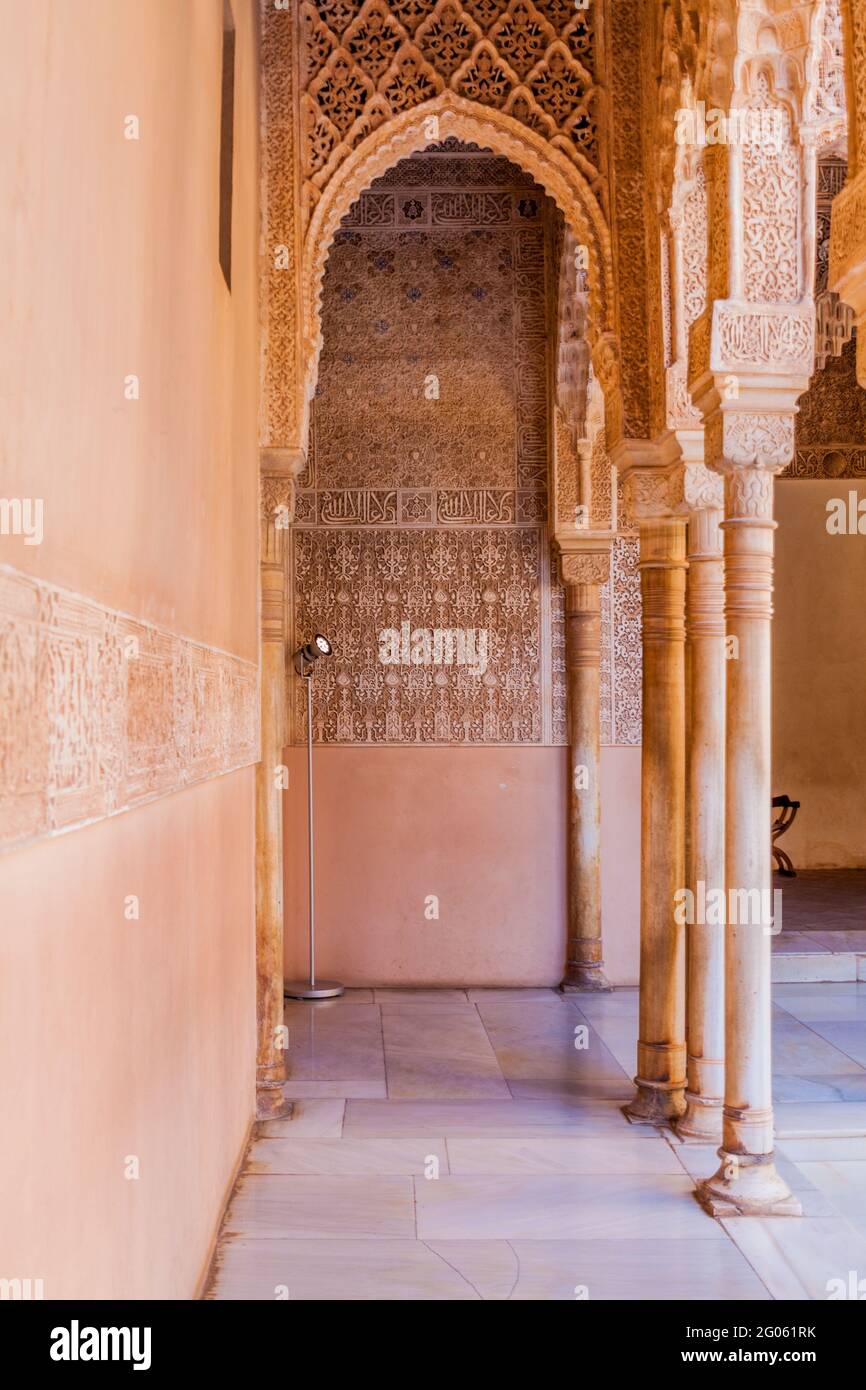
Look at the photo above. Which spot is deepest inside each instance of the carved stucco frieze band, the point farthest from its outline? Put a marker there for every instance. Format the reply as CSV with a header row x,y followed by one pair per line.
x,y
102,712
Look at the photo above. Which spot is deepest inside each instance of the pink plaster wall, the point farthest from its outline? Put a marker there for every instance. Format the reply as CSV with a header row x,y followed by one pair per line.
x,y
481,828
121,1037
819,675
129,1037
109,250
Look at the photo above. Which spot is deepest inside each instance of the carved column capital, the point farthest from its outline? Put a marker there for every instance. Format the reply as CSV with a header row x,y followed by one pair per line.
x,y
749,439
652,473
585,566
703,489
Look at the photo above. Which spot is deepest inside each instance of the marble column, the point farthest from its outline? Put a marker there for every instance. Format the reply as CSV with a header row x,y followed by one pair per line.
x,y
277,511
747,1180
705,807
584,573
652,498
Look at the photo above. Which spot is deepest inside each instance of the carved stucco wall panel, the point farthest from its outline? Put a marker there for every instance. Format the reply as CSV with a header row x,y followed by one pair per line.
x,y
429,509
100,712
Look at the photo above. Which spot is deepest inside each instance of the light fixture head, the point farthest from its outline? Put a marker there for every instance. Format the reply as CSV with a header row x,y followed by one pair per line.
x,y
310,652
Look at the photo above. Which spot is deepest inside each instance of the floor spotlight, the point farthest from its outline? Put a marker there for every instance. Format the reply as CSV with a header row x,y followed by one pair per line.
x,y
310,652
304,661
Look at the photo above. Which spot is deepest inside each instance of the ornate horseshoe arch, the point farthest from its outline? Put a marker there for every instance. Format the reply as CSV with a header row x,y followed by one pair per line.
x,y
409,133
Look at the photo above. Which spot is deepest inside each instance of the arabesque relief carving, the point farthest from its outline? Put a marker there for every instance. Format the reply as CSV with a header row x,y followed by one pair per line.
x,y
425,501
101,712
377,83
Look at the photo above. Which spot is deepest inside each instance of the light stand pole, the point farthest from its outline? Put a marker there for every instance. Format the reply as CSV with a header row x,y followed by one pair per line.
x,y
305,659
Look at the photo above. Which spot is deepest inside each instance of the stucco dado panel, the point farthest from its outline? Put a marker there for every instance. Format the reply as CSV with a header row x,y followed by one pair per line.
x,y
100,712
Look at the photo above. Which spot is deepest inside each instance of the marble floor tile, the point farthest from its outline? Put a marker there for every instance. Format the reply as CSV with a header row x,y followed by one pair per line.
x,y
849,1036
444,1055
479,1117
825,1006
297,1088
336,1269
798,1257
421,996
392,1155
850,1086
314,1119
334,1044
276,1207
561,1207
585,1088
816,990
559,1153
843,1183
522,996
806,1119
627,1269
534,1042
619,1003
800,1051
619,1036
823,1147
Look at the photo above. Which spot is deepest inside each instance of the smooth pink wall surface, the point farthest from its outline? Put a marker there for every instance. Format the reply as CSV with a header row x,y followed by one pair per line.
x,y
481,828
121,1037
819,675
109,250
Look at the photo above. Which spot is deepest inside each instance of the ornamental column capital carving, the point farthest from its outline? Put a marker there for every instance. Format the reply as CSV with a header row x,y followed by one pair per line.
x,y
584,559
652,473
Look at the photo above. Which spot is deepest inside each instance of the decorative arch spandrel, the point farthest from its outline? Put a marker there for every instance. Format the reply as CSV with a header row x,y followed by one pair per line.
x,y
450,116
348,87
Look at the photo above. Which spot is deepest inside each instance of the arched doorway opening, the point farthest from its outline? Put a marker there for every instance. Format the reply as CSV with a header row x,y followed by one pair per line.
x,y
421,546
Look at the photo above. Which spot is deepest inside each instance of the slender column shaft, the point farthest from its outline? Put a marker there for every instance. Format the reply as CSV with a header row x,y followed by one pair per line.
x,y
584,964
270,1052
705,827
660,1076
747,1180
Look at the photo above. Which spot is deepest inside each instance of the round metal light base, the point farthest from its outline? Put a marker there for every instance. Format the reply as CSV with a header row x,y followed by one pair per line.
x,y
302,989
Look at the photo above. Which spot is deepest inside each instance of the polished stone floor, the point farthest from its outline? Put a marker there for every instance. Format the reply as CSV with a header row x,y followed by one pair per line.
x,y
823,928
468,1144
